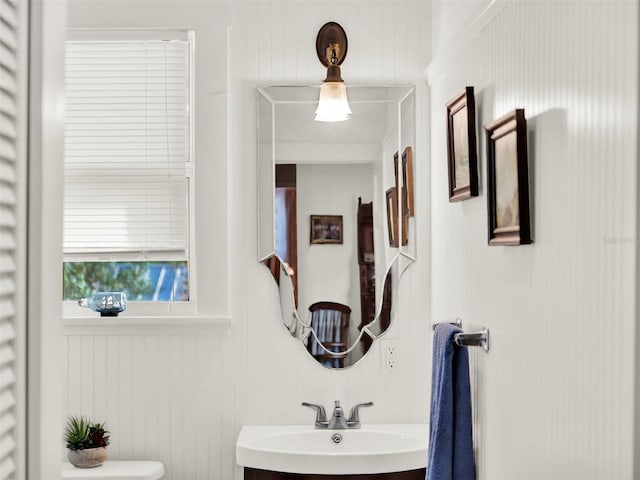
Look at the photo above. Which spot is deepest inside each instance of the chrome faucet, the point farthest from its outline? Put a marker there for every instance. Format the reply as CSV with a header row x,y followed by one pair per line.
x,y
338,420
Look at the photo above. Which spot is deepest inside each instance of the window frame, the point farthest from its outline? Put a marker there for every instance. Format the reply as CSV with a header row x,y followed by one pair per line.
x,y
146,311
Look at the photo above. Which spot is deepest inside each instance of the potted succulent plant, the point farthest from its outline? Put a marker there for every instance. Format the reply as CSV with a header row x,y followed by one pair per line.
x,y
86,442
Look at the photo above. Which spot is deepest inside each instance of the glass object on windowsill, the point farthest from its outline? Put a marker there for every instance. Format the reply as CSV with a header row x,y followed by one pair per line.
x,y
107,304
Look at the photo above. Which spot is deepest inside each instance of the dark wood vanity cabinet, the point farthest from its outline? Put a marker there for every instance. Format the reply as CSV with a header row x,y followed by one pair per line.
x,y
255,474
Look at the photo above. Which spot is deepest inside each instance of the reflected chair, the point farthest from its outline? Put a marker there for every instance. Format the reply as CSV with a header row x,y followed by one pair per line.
x,y
330,322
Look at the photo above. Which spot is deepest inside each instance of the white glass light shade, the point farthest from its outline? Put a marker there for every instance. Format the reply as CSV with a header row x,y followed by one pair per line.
x,y
333,105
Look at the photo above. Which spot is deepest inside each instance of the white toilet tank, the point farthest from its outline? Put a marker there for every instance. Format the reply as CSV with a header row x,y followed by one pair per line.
x,y
115,470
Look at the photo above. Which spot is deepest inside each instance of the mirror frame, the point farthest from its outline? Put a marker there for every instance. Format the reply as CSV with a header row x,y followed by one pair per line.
x,y
400,256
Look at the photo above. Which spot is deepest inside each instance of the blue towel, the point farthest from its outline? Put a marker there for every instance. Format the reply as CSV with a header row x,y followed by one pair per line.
x,y
450,432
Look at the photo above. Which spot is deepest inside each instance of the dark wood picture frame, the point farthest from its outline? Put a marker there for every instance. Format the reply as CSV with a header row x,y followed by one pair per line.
x,y
508,180
407,182
392,219
396,159
405,230
326,229
392,215
461,146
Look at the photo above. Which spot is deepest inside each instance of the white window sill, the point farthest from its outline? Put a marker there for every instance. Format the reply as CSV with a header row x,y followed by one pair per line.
x,y
146,325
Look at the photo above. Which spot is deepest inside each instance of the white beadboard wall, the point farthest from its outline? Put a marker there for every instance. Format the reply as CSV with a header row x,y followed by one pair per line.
x,y
554,398
161,395
182,399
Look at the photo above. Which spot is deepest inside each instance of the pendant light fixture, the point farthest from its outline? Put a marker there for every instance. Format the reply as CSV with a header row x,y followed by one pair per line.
x,y
331,47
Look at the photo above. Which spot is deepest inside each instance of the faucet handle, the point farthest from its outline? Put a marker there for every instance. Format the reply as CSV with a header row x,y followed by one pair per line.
x,y
354,415
321,415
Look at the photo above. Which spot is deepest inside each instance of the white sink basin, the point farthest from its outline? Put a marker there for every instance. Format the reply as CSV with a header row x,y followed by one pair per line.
x,y
303,449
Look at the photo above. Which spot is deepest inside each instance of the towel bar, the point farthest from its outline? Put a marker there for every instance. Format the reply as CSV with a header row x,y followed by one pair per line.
x,y
457,322
473,339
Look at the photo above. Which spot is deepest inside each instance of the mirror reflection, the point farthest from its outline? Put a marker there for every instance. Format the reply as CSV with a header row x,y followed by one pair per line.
x,y
336,214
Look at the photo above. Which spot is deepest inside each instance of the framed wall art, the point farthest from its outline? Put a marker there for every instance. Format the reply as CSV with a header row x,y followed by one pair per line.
x,y
396,158
392,216
392,219
508,180
326,229
407,182
462,158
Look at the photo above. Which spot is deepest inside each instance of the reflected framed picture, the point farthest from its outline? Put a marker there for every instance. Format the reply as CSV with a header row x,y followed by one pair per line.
x,y
392,219
462,157
392,216
407,182
396,157
326,229
508,180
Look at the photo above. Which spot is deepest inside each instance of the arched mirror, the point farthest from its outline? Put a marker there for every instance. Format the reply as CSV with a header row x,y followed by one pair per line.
x,y
336,213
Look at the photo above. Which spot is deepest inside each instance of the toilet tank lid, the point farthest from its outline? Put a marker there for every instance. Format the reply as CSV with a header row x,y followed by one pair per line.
x,y
116,470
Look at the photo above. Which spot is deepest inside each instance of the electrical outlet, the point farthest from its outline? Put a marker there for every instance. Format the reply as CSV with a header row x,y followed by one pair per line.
x,y
390,355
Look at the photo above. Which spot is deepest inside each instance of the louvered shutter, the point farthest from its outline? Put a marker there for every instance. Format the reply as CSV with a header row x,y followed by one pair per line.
x,y
13,139
126,150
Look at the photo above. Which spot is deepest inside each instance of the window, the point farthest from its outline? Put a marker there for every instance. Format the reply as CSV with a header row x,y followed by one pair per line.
x,y
128,166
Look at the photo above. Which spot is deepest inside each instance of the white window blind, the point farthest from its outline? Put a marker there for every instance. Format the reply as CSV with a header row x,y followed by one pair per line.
x,y
126,166
13,137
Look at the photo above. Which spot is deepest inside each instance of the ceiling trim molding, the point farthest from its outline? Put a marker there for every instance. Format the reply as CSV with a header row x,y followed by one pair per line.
x,y
469,30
